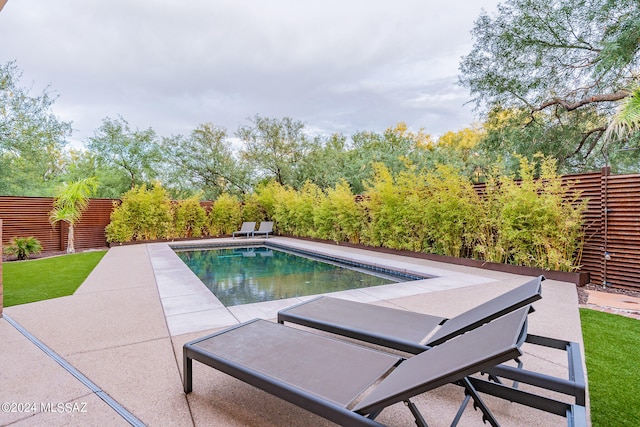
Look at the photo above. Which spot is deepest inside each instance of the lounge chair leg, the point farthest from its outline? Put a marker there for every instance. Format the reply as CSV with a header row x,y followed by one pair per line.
x,y
187,365
373,415
420,421
479,403
463,406
520,364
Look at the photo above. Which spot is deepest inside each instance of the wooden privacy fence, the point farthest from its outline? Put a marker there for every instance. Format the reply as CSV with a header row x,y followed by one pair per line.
x,y
29,216
611,251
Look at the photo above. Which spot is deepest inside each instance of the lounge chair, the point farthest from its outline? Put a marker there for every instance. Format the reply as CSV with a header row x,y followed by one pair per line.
x,y
246,229
333,378
266,228
400,329
414,333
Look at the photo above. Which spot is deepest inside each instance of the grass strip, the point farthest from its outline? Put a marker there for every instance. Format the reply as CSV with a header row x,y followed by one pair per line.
x,y
611,344
46,278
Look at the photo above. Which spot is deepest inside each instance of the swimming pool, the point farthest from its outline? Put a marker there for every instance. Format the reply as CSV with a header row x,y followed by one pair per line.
x,y
243,275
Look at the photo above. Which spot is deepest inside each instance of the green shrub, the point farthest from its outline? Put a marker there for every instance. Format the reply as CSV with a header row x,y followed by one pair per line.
x,y
384,210
450,209
225,216
189,218
252,210
281,200
537,222
531,222
338,216
302,208
143,214
22,247
266,195
120,229
434,212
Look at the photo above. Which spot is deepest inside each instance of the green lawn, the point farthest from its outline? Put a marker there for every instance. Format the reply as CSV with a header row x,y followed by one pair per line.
x,y
40,279
612,352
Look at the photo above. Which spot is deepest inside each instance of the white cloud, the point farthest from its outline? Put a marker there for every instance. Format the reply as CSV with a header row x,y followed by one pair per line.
x,y
339,66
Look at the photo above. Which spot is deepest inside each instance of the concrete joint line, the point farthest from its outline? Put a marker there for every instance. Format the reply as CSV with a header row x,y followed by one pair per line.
x,y
128,416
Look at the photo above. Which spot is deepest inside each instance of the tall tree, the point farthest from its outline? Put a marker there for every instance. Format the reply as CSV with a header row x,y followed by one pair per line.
x,y
32,137
566,59
80,163
69,204
460,149
324,162
204,162
136,153
274,146
396,148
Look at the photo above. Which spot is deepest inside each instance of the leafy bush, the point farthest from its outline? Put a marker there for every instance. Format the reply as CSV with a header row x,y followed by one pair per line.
x,y
22,247
531,222
143,214
384,208
301,206
433,212
534,222
452,212
252,210
225,215
189,218
266,195
338,216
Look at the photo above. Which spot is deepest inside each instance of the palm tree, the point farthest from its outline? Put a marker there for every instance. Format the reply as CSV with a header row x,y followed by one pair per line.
x,y
22,247
70,202
627,117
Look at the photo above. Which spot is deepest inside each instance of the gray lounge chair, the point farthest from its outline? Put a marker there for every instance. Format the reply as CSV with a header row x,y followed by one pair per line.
x,y
416,332
266,228
332,378
246,229
400,329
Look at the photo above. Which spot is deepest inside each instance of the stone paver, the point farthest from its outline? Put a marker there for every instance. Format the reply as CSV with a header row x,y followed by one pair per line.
x,y
608,302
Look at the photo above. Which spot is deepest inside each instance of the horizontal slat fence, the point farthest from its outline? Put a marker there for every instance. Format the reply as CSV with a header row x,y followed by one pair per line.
x,y
621,217
29,216
590,187
612,225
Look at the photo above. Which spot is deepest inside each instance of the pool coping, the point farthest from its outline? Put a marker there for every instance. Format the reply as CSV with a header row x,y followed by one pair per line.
x,y
189,306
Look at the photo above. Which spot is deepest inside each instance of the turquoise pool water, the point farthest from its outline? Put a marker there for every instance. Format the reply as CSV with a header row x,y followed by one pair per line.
x,y
257,274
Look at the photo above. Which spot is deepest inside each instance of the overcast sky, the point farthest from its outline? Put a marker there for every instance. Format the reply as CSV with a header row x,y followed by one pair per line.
x,y
338,66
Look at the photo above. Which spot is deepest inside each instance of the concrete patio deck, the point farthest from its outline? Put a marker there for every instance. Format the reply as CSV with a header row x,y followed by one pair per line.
x,y
124,328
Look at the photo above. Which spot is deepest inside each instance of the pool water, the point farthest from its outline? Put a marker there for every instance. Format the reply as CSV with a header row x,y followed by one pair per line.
x,y
257,274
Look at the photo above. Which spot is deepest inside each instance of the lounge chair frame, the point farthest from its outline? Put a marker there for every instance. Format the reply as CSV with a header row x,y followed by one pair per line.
x,y
574,386
266,228
409,329
409,378
246,229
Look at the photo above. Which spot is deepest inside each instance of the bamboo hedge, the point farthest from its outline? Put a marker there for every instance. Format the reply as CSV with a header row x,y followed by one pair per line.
x,y
534,222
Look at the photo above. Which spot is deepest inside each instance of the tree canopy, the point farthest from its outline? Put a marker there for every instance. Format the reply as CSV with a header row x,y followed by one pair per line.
x,y
32,137
564,64
204,161
135,152
273,146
